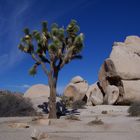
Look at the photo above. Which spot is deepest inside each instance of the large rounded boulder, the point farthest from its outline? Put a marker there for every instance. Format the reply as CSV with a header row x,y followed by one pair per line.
x,y
77,79
38,94
126,58
76,89
132,91
112,95
94,95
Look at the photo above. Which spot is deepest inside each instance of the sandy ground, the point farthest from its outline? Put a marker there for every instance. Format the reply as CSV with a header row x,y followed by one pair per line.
x,y
117,126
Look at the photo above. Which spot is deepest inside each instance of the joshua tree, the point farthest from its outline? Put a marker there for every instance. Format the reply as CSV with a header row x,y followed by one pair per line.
x,y
52,50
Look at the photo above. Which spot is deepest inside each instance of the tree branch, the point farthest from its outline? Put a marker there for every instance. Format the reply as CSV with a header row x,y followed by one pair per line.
x,y
35,58
44,59
40,62
44,68
76,57
66,58
59,64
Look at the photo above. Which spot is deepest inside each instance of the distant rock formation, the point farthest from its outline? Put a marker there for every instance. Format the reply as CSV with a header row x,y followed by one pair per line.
x,y
122,70
38,90
38,94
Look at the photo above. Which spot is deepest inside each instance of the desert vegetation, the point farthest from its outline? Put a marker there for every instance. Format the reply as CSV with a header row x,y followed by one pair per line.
x,y
96,121
134,109
70,103
15,105
67,101
52,50
72,117
79,104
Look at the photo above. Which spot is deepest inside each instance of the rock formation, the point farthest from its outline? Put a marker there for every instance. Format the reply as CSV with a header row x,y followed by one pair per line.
x,y
131,90
94,95
38,94
121,72
126,58
76,89
118,79
112,94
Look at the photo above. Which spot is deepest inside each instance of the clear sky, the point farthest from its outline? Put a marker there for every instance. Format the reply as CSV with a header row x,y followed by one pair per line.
x,y
102,22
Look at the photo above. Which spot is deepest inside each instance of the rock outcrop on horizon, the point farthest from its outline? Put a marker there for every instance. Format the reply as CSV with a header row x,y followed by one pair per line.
x,y
38,94
122,70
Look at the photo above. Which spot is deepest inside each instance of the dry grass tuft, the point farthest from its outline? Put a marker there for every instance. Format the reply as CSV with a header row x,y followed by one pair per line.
x,y
104,112
72,117
134,109
97,121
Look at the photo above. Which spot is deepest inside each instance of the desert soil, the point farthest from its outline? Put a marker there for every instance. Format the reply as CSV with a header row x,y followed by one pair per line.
x,y
117,125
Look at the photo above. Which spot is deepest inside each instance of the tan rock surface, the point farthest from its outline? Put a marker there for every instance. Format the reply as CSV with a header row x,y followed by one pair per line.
x,y
132,90
19,125
126,58
106,71
37,90
77,79
76,89
38,94
112,94
94,95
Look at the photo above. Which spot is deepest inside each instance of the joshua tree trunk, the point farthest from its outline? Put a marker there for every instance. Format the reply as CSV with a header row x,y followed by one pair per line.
x,y
52,99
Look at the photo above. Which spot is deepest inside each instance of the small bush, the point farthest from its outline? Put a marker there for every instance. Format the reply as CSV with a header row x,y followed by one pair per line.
x,y
134,109
15,105
79,104
104,112
67,101
97,121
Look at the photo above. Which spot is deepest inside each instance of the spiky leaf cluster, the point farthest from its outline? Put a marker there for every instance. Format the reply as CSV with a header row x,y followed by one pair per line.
x,y
33,70
58,46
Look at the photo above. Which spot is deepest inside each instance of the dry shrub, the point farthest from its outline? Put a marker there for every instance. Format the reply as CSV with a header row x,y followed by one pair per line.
x,y
79,104
15,105
70,103
67,101
72,117
134,109
97,121
104,112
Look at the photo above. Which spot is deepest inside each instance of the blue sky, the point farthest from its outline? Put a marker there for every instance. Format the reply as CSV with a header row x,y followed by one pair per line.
x,y
102,22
